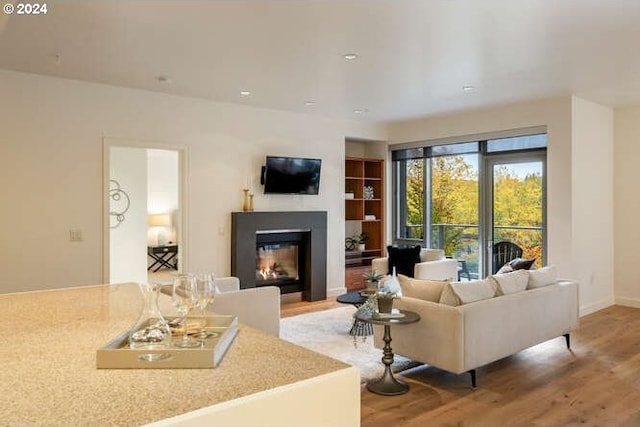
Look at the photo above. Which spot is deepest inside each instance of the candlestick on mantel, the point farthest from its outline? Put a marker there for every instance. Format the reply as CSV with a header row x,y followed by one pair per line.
x,y
245,199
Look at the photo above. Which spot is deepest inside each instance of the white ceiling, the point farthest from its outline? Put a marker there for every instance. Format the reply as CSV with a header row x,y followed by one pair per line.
x,y
414,55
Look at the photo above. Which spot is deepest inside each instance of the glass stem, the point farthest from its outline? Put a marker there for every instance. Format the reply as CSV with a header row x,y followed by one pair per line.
x,y
203,332
185,337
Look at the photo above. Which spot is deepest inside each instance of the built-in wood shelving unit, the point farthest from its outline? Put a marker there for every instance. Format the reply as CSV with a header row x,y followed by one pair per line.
x,y
366,209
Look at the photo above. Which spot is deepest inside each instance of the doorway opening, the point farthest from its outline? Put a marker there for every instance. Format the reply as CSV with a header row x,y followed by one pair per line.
x,y
146,241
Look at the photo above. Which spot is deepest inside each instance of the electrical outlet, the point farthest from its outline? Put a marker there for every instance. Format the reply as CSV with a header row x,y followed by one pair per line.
x,y
75,235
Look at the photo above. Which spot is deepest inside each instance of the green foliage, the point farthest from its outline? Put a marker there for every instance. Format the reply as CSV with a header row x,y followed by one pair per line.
x,y
454,184
360,238
415,194
372,276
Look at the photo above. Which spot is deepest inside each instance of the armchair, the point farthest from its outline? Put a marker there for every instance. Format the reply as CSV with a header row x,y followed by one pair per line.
x,y
255,307
433,265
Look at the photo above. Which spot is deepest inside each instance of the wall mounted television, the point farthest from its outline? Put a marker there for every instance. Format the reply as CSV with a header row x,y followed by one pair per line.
x,y
291,175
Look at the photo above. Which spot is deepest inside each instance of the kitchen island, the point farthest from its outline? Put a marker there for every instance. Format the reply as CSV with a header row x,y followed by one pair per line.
x,y
49,374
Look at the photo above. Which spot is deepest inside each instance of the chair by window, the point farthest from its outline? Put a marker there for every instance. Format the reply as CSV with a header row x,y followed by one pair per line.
x,y
503,252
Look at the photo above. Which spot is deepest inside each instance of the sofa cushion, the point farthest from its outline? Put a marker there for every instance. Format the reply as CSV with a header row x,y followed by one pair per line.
x,y
543,277
403,259
448,297
510,283
458,293
428,290
475,290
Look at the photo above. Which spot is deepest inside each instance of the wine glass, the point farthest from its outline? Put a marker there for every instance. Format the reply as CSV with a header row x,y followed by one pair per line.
x,y
184,298
206,294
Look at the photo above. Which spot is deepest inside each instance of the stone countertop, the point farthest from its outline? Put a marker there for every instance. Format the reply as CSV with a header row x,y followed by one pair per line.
x,y
48,363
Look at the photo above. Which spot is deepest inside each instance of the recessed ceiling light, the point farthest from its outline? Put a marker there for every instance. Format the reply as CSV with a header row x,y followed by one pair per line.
x,y
468,88
360,110
245,93
350,56
164,80
309,103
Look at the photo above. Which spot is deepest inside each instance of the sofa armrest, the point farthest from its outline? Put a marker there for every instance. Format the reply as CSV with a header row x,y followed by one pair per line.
x,y
380,265
444,269
436,339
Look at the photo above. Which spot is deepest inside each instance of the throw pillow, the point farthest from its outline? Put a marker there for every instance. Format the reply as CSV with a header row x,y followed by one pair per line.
x,y
505,269
448,297
543,277
521,264
428,290
403,259
510,283
475,290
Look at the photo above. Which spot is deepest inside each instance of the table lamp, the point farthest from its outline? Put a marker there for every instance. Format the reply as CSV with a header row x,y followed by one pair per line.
x,y
160,222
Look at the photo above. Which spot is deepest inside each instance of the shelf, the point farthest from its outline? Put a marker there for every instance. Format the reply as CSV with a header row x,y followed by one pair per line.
x,y
361,173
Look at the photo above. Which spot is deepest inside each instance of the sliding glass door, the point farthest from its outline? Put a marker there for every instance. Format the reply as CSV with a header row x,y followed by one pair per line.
x,y
514,208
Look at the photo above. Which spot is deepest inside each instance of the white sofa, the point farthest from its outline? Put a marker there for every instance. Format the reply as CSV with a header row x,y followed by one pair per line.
x,y
432,265
462,338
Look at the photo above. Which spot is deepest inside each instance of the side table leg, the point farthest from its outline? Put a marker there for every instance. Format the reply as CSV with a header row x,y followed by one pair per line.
x,y
387,385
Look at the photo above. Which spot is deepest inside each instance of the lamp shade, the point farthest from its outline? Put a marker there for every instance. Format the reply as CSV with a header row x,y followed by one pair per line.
x,y
159,220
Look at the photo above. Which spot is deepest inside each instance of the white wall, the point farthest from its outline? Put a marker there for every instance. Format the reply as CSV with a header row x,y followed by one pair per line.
x,y
51,164
627,205
566,189
128,241
592,203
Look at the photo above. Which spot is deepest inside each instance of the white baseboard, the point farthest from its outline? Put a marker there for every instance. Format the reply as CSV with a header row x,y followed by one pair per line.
x,y
628,302
596,306
334,292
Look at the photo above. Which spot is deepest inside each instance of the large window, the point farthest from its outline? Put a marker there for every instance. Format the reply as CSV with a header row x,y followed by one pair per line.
x,y
465,197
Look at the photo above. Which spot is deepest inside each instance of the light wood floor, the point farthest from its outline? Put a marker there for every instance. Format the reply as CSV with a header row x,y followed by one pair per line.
x,y
597,383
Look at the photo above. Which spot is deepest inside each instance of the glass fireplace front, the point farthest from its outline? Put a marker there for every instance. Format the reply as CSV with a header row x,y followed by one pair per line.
x,y
280,260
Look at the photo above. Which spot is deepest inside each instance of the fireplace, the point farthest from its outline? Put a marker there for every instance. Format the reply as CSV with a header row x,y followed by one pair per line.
x,y
284,249
281,259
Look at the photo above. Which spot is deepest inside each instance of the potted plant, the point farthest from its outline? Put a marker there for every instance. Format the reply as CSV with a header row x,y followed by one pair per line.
x,y
372,279
385,299
361,239
379,302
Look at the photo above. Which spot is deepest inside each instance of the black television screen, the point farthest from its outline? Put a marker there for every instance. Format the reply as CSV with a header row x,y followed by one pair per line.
x,y
291,175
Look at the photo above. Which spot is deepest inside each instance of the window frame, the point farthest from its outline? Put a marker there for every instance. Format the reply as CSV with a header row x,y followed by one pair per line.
x,y
430,150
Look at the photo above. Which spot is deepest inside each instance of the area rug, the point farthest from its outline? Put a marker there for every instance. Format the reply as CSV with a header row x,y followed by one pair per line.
x,y
327,332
